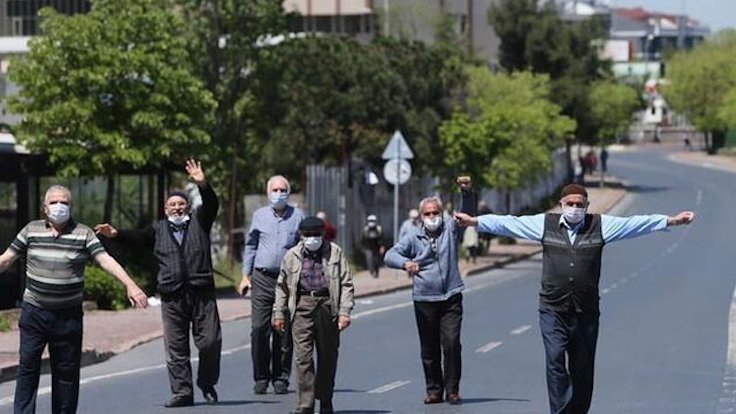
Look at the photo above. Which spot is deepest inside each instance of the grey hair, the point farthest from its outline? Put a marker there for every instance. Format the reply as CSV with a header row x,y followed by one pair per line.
x,y
428,200
59,188
277,177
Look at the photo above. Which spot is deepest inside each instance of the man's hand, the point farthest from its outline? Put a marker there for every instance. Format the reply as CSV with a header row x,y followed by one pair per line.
x,y
194,169
279,325
465,182
465,219
136,296
411,267
343,321
244,285
106,230
684,217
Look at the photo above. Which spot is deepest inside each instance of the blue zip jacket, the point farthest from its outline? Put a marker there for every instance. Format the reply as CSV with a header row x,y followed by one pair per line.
x,y
439,277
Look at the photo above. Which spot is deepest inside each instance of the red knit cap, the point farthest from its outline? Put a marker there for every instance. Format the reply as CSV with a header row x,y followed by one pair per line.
x,y
573,189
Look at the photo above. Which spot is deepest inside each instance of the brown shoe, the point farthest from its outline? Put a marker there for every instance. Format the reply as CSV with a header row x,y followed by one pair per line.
x,y
433,399
453,398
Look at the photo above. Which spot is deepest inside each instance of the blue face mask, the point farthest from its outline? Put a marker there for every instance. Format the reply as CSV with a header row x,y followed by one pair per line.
x,y
278,200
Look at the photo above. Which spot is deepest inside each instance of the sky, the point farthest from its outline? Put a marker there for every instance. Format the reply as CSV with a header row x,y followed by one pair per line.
x,y
718,14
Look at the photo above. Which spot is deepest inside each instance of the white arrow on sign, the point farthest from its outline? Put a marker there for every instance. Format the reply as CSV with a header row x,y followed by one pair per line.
x,y
397,148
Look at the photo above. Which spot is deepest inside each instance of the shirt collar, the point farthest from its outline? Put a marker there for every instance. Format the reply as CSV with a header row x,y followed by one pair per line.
x,y
574,227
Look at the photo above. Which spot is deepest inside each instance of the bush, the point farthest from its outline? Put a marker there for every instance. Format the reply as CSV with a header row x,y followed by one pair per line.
x,y
104,289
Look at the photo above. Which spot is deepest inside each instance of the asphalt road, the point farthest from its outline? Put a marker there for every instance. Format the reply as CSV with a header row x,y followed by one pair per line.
x,y
663,345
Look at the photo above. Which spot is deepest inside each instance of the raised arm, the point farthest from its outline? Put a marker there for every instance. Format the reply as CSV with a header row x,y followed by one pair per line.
x,y
207,212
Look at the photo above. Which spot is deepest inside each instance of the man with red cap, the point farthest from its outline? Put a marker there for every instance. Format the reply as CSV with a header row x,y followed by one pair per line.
x,y
568,301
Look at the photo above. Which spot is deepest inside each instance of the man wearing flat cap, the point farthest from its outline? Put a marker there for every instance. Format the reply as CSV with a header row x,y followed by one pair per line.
x,y
572,245
315,290
181,245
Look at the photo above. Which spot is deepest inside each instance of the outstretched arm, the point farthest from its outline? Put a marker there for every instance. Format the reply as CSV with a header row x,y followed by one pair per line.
x,y
620,228
523,227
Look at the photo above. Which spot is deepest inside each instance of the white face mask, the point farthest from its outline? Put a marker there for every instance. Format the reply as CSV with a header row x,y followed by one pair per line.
x,y
573,215
58,213
178,220
432,224
278,200
313,243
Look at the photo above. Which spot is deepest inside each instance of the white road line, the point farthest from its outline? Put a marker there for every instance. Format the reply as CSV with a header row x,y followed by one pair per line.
x,y
520,330
388,387
489,347
727,403
381,310
83,381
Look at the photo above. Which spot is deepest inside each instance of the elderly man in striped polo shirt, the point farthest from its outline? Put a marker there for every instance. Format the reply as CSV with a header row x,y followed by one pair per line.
x,y
57,249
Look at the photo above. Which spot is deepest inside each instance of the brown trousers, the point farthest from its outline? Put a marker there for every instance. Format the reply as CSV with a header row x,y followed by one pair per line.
x,y
313,324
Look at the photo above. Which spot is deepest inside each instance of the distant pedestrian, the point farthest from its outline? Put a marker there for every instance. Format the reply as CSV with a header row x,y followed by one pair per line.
x,y
181,244
484,238
330,230
431,256
372,241
56,250
315,290
412,223
688,145
604,160
578,173
568,302
274,230
470,244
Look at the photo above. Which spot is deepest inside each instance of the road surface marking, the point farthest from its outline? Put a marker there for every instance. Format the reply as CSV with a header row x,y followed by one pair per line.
x,y
727,403
520,330
388,387
489,347
83,381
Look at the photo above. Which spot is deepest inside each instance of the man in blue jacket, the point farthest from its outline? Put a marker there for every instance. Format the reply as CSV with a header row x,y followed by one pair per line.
x,y
430,256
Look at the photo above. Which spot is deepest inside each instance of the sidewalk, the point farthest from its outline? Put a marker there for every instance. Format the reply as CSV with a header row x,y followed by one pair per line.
x,y
107,333
702,159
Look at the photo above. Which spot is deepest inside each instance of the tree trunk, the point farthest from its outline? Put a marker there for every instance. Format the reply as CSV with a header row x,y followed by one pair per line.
x,y
232,206
109,198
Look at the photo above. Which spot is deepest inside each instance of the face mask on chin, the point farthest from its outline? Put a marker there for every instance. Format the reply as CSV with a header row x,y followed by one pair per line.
x,y
573,215
178,220
59,213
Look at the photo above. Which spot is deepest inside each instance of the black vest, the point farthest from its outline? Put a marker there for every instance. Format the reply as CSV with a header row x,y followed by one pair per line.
x,y
571,272
187,264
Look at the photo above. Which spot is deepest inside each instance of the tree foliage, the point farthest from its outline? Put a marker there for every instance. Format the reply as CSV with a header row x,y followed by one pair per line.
x,y
507,131
111,88
612,106
701,84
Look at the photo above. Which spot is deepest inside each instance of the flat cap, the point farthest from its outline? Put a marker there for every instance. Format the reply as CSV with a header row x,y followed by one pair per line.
x,y
312,223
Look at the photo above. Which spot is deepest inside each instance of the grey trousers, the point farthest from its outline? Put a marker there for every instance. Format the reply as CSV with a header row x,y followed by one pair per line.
x,y
270,351
182,310
314,324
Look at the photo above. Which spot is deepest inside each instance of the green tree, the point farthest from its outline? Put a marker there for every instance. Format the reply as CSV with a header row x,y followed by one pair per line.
x,y
612,106
700,84
505,134
110,89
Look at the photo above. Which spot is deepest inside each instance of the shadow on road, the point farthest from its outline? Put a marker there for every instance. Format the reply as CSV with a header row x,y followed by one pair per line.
x,y
484,400
235,403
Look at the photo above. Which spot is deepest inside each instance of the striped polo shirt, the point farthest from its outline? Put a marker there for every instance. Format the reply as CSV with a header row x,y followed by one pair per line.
x,y
55,265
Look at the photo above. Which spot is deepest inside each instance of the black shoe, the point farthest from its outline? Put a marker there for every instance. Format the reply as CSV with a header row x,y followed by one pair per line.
x,y
325,407
260,388
280,387
433,398
180,401
210,395
453,398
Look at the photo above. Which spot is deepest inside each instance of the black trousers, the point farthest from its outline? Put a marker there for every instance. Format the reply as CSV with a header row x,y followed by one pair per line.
x,y
439,333
314,326
270,351
570,340
62,331
196,309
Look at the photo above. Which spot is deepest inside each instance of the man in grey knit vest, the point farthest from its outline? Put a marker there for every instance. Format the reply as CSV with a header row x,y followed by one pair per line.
x,y
181,244
571,268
